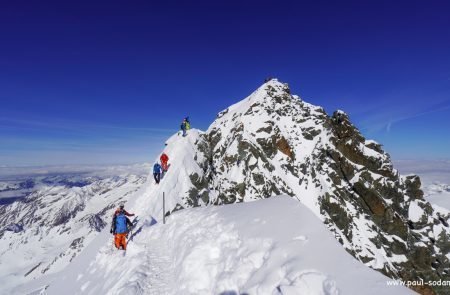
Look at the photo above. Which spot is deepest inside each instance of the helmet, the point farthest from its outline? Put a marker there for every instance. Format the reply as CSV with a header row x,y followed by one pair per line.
x,y
121,206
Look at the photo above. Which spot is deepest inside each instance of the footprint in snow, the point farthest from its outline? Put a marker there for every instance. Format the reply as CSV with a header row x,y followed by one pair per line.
x,y
300,238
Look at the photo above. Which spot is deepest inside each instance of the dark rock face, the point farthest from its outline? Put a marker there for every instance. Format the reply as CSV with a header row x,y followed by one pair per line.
x,y
96,222
68,211
29,183
14,227
283,146
274,143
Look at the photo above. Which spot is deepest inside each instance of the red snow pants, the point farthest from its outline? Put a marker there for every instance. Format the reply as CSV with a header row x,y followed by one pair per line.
x,y
120,240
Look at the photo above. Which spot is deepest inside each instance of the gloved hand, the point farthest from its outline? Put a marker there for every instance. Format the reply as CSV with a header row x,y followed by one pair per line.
x,y
110,231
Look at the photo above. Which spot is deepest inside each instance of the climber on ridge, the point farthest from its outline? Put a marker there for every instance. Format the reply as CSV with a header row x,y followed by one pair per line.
x,y
157,172
183,127
120,228
188,123
164,159
123,211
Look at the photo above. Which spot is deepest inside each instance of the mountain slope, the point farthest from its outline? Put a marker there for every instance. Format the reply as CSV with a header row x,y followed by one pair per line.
x,y
275,246
183,157
272,142
45,230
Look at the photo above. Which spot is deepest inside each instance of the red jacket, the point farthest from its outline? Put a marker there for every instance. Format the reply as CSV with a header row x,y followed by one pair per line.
x,y
124,212
164,158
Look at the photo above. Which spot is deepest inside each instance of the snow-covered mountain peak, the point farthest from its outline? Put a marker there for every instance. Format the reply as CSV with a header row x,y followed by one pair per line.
x,y
268,94
273,143
271,88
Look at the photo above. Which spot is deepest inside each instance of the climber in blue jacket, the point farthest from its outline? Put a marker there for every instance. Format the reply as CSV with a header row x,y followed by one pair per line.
x,y
157,172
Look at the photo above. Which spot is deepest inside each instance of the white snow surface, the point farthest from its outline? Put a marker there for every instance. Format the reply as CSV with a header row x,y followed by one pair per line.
x,y
181,152
415,212
271,246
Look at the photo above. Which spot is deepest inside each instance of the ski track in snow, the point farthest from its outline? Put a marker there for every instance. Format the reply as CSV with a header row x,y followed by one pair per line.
x,y
145,268
152,275
158,267
150,270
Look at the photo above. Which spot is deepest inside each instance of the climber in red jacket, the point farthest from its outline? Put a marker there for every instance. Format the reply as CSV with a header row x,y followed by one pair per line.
x,y
164,159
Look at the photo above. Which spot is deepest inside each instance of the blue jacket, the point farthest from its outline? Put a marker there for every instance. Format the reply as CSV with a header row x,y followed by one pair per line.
x,y
157,168
121,224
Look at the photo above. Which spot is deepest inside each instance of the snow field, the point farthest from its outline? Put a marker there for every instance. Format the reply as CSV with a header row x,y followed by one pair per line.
x,y
271,246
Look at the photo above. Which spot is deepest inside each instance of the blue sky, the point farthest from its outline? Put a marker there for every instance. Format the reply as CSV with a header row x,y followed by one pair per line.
x,y
107,82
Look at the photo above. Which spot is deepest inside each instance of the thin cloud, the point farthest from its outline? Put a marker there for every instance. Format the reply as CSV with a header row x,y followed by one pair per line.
x,y
95,170
419,114
388,127
385,118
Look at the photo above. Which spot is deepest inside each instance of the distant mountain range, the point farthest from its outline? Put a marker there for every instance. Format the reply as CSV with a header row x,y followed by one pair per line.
x,y
48,219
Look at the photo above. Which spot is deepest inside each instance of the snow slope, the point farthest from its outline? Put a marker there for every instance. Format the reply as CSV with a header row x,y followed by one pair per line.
x,y
176,183
42,233
272,246
438,193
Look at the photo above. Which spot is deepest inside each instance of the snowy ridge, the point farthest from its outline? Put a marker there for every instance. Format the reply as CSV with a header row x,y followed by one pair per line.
x,y
238,248
176,183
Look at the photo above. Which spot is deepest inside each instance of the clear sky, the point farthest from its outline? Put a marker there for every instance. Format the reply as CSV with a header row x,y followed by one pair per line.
x,y
87,82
